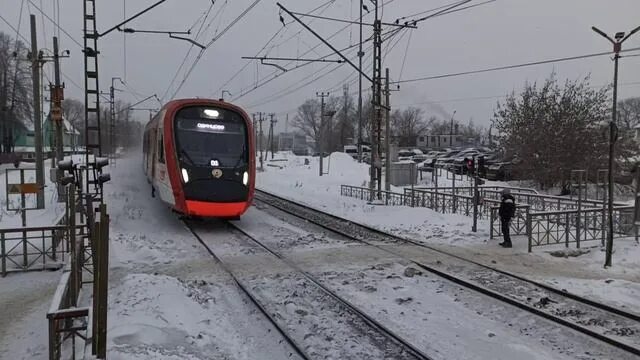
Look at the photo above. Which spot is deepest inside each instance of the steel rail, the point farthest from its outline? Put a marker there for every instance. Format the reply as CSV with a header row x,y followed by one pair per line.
x,y
368,319
246,291
458,280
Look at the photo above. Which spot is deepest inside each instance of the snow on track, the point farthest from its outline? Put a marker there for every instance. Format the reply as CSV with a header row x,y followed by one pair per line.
x,y
318,321
541,329
168,299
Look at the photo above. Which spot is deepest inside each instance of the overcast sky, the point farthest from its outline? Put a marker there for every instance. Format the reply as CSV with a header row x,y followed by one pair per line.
x,y
503,32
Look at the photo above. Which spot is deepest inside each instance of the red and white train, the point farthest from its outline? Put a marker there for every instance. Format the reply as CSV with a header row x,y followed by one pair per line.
x,y
199,158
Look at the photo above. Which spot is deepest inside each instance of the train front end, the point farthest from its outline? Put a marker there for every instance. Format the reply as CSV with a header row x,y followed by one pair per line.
x,y
215,163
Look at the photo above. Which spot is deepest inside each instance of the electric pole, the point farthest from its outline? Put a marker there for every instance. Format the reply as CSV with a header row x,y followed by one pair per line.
x,y
345,90
271,134
57,95
260,142
375,180
387,134
360,55
35,72
321,134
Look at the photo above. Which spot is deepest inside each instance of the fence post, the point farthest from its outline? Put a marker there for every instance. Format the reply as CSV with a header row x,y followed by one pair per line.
x,y
491,218
3,255
476,198
53,351
453,192
103,282
95,246
578,219
604,225
567,230
529,229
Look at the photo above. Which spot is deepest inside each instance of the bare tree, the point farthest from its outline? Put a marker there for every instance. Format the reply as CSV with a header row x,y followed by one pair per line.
x,y
345,121
15,94
407,124
307,119
629,113
73,111
553,129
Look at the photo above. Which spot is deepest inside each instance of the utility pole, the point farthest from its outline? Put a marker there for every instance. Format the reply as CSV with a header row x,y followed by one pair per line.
x,y
112,121
613,129
345,89
271,134
451,130
387,135
360,55
57,95
321,134
375,180
35,72
260,142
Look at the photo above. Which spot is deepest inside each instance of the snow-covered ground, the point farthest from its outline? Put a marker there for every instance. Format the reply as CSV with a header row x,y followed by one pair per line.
x,y
25,297
168,299
618,285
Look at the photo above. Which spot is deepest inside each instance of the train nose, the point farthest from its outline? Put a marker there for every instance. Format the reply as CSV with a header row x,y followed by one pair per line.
x,y
208,209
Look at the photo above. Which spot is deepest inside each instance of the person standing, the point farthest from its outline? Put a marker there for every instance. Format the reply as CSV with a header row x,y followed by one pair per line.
x,y
506,212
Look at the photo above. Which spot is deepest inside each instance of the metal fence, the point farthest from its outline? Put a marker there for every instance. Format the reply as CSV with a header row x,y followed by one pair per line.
x,y
551,226
35,248
573,227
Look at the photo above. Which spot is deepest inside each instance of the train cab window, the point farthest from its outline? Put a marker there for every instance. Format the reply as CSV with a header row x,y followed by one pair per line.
x,y
206,136
160,149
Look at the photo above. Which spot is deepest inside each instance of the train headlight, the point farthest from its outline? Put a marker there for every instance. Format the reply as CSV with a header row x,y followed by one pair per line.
x,y
245,178
185,176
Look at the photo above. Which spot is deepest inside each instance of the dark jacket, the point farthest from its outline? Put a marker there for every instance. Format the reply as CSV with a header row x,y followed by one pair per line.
x,y
507,207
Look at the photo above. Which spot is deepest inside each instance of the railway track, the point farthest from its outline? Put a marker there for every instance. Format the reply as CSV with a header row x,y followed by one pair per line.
x,y
349,320
613,326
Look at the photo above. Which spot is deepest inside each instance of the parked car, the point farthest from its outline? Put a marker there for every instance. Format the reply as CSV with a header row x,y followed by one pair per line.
x,y
351,150
502,171
447,158
458,164
405,155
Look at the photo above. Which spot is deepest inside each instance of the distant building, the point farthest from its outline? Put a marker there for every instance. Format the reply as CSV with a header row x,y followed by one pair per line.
x,y
25,139
434,141
294,142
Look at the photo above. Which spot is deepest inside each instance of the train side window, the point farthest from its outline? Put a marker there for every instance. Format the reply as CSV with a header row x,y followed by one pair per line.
x,y
160,149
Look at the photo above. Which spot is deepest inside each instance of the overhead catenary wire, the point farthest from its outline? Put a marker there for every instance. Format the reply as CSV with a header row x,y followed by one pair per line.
x,y
508,67
274,75
56,24
280,29
215,38
186,56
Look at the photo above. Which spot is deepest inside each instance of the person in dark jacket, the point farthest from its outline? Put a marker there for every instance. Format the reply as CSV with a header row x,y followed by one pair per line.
x,y
506,212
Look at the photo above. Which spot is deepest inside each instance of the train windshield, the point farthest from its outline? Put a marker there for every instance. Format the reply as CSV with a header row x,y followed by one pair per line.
x,y
207,136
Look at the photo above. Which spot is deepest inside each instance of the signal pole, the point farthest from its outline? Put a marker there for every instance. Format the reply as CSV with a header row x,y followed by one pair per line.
x,y
321,138
35,72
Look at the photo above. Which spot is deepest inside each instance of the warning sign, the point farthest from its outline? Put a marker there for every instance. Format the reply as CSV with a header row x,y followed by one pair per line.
x,y
23,188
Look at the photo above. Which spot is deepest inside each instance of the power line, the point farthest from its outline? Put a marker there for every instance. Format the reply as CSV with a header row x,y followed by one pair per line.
x,y
325,5
534,63
215,38
474,98
186,56
56,24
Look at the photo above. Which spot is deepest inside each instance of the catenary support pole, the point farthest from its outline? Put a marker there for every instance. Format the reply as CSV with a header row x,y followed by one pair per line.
x,y
387,135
